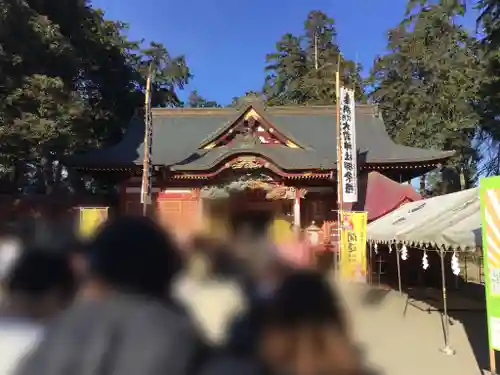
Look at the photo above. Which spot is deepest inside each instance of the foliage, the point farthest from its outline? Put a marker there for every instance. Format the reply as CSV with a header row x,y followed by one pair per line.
x,y
489,106
427,85
249,95
197,101
70,80
169,73
302,69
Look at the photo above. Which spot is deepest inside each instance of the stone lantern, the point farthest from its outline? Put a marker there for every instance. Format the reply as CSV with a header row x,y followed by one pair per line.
x,y
314,234
315,241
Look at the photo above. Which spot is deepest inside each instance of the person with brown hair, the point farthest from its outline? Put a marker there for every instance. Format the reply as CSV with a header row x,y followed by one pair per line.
x,y
299,331
304,330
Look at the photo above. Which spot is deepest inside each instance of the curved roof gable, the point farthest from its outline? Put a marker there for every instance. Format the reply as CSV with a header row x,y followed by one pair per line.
x,y
178,133
250,111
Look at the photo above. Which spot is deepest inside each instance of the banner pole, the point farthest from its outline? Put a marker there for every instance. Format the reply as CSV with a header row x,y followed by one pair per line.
x,y
340,197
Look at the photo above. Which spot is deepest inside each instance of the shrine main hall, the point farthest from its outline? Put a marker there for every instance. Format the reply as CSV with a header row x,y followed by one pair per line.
x,y
279,161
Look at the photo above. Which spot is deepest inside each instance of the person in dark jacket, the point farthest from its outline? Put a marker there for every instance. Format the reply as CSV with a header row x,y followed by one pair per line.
x,y
131,326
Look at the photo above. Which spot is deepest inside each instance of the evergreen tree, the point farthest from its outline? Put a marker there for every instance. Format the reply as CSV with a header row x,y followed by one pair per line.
x,y
489,104
195,100
69,80
302,69
427,84
286,69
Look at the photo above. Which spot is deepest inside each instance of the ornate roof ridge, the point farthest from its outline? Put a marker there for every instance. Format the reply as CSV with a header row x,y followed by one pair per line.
x,y
371,109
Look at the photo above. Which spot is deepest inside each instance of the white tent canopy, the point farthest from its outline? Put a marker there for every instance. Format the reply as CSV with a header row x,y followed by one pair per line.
x,y
452,221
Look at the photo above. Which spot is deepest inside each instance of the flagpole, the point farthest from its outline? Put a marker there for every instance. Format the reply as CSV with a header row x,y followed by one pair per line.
x,y
340,198
146,178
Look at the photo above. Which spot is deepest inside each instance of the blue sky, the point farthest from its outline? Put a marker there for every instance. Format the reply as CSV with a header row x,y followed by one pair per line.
x,y
225,42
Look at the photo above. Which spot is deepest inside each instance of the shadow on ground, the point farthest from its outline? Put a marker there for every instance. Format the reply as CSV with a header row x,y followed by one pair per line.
x,y
375,296
466,301
465,306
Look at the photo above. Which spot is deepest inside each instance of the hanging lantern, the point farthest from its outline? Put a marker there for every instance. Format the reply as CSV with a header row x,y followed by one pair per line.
x,y
375,248
404,252
455,265
425,261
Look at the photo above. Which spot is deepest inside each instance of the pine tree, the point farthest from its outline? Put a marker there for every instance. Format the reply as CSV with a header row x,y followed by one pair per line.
x,y
286,68
302,70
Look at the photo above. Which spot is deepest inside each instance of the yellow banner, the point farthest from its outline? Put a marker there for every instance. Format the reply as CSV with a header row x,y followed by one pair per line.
x,y
90,219
353,263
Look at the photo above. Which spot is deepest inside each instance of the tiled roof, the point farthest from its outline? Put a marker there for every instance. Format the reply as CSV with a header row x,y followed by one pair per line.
x,y
178,133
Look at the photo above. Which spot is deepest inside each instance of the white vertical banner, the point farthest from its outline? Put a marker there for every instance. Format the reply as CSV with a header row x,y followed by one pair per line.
x,y
349,163
147,164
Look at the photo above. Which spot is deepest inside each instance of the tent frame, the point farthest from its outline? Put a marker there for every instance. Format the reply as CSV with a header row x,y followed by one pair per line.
x,y
446,349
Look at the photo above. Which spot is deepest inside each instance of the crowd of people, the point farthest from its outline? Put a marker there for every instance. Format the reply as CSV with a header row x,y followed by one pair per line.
x,y
131,302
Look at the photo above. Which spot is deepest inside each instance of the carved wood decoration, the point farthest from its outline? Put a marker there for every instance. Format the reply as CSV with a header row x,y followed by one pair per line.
x,y
252,127
285,192
246,162
250,131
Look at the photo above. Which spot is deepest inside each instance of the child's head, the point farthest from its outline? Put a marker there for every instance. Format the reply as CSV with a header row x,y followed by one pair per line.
x,y
302,330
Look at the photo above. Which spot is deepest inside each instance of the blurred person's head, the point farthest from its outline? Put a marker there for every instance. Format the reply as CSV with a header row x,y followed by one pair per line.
x,y
132,255
218,257
40,284
199,265
78,260
302,329
266,270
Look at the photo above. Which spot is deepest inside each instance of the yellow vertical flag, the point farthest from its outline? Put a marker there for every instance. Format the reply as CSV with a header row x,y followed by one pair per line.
x,y
353,265
90,219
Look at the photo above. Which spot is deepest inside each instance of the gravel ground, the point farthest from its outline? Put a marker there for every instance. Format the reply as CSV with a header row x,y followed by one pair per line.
x,y
395,334
398,336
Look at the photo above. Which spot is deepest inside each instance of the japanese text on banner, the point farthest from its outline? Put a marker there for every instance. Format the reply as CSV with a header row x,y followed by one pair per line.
x,y
348,146
353,249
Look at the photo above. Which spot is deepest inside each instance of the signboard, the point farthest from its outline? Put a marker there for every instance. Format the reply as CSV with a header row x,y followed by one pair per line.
x,y
348,160
90,219
353,249
490,212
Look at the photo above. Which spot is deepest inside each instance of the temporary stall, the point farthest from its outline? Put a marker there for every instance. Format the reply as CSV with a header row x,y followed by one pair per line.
x,y
451,220
456,229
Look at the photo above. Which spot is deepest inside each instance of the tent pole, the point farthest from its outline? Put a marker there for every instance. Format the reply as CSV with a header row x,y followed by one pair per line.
x,y
447,349
465,268
379,268
370,264
398,263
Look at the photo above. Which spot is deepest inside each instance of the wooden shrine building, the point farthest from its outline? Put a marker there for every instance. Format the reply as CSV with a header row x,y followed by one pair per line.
x,y
281,160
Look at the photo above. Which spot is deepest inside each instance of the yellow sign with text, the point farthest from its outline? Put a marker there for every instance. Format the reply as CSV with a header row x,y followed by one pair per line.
x,y
90,219
353,264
